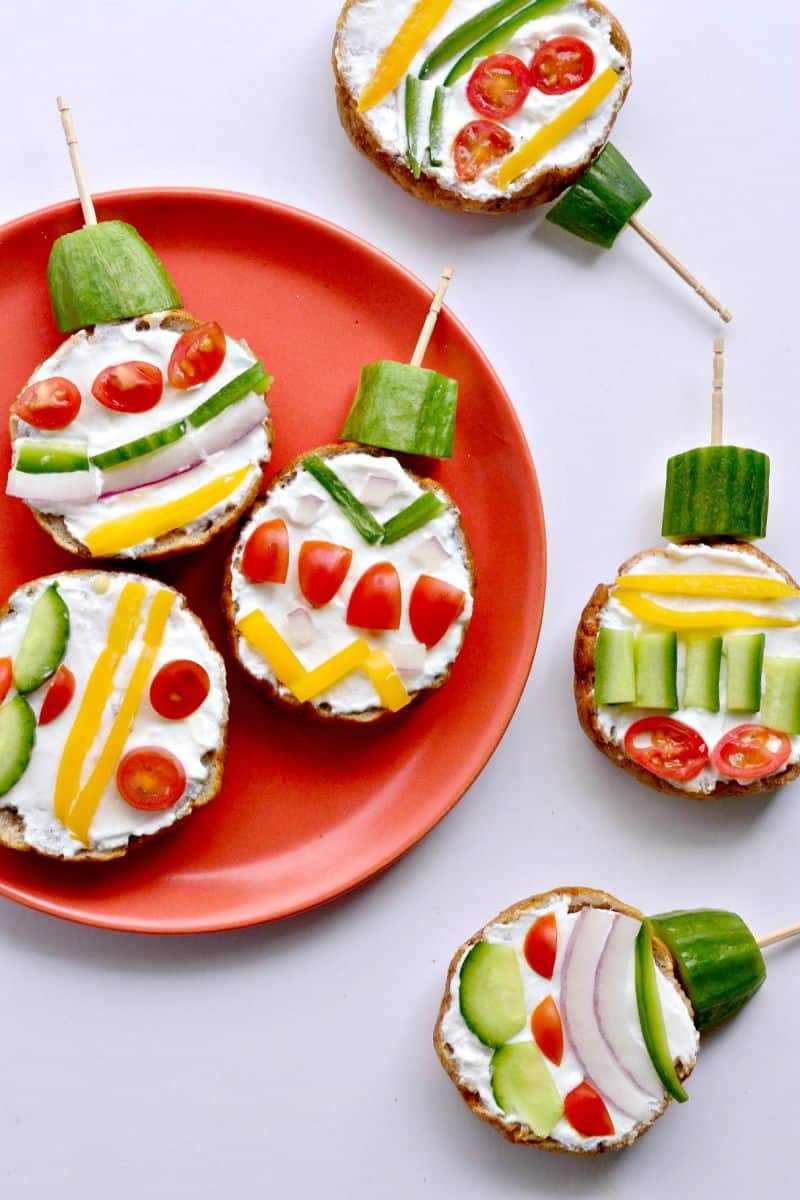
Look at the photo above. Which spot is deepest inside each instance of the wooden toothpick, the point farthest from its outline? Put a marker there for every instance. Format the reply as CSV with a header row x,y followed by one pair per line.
x,y
87,204
779,935
681,270
421,348
716,395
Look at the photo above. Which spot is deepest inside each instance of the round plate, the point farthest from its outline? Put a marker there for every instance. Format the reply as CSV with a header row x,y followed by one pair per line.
x,y
307,812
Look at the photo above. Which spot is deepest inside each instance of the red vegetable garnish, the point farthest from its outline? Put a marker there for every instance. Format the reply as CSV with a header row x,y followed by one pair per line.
x,y
499,86
561,65
6,676
321,569
587,1113
131,387
432,609
376,601
198,355
478,146
151,778
541,946
666,748
751,752
266,555
179,688
59,695
547,1030
49,404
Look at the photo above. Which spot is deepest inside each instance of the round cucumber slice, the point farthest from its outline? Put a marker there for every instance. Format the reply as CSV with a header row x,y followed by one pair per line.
x,y
17,735
51,456
716,491
599,206
491,993
44,642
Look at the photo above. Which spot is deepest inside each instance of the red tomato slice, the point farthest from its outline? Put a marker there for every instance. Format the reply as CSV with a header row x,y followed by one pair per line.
x,y
321,569
179,688
561,65
541,946
587,1113
433,607
478,146
547,1030
59,695
376,600
666,748
198,355
6,676
151,778
266,555
49,404
131,387
751,752
499,86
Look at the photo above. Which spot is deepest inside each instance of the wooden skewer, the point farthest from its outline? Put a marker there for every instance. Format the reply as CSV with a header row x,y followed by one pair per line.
x,y
681,270
716,395
426,333
87,204
779,935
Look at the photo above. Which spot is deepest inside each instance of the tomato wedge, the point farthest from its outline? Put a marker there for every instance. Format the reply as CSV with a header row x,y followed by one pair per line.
x,y
499,86
547,1030
376,600
541,946
59,695
6,676
266,555
666,748
321,570
751,752
49,404
151,778
131,387
179,688
586,1112
561,65
198,355
479,145
433,607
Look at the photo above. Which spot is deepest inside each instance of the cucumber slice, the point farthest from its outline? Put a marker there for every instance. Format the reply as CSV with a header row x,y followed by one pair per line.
x,y
599,206
40,456
17,735
357,513
436,149
418,513
614,670
744,654
491,994
701,674
780,708
466,34
523,1087
106,272
44,642
254,379
148,443
500,35
716,491
656,657
651,1016
408,409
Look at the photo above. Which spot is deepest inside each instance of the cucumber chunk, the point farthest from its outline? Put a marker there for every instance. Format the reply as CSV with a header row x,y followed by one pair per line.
x,y
599,206
523,1087
716,491
17,735
657,670
491,994
408,409
614,669
744,654
780,708
40,456
701,674
44,642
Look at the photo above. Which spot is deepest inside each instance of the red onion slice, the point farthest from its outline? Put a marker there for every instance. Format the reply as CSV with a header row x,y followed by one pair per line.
x,y
615,997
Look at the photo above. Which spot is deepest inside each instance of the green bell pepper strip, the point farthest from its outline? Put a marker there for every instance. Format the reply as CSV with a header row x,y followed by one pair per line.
x,y
499,37
357,513
651,1016
466,34
436,134
418,513
415,150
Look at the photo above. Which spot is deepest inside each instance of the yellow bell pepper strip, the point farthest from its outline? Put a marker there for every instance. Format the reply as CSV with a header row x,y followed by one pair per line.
x,y
388,684
399,54
86,725
738,587
84,807
564,124
656,614
332,671
123,532
264,637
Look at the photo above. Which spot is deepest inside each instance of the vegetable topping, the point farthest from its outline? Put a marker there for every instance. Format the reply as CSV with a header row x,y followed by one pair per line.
x,y
321,570
541,945
666,748
179,688
432,609
375,602
586,1112
266,555
49,404
59,695
499,86
562,64
547,1030
479,146
6,677
751,752
198,355
151,778
131,387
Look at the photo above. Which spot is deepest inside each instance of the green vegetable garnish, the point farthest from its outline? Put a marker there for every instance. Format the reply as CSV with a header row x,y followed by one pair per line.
x,y
466,34
498,37
357,513
254,379
436,149
415,148
40,456
601,203
651,1016
139,447
405,408
418,513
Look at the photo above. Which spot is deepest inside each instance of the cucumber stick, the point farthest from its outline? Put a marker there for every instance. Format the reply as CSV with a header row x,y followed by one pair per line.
x,y
418,513
491,993
44,641
780,707
744,656
17,736
701,673
716,491
615,672
656,656
599,206
499,36
52,456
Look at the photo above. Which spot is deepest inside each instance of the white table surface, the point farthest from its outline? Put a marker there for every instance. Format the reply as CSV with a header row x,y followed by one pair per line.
x,y
296,1060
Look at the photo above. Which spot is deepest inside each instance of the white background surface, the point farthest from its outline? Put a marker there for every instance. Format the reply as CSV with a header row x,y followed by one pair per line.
x,y
296,1060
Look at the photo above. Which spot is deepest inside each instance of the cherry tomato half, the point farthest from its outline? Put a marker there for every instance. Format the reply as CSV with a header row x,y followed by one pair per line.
x,y
266,555
6,676
478,146
432,609
499,87
666,748
179,688
198,355
49,404
547,1030
561,65
587,1113
131,387
59,695
321,569
541,946
376,600
751,752
151,778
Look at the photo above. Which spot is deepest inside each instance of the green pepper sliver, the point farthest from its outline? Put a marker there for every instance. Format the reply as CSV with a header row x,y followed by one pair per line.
x,y
357,513
466,34
414,149
418,513
436,146
651,1016
499,37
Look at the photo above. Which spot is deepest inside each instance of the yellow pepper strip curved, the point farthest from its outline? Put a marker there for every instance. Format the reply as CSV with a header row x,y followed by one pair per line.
x,y
388,684
655,614
399,54
81,814
86,725
264,637
124,532
738,587
332,671
550,135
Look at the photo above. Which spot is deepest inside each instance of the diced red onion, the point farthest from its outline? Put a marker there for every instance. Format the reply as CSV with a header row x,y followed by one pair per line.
x,y
430,553
307,510
61,487
409,658
301,628
379,488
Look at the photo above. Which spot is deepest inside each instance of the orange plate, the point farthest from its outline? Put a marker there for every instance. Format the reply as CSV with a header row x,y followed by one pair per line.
x,y
307,812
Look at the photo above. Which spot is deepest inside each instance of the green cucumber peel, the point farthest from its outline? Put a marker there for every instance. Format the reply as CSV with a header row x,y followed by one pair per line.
x,y
418,513
498,37
436,148
400,407
44,642
139,448
357,513
651,1016
602,201
41,456
466,34
17,738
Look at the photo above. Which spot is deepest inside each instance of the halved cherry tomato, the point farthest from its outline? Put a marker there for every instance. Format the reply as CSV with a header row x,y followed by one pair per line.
x,y
266,555
151,778
179,688
478,146
666,748
376,600
587,1113
433,607
751,752
499,87
321,568
6,675
131,387
541,946
561,65
59,695
49,404
198,355
547,1030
